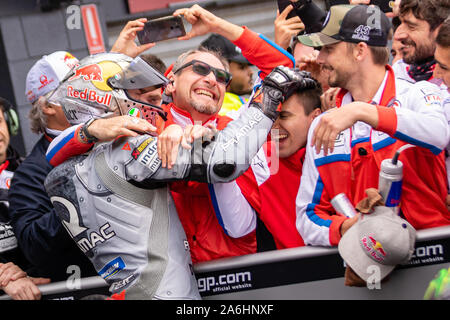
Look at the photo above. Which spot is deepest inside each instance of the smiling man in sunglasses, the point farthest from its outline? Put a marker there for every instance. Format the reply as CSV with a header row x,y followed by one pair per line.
x,y
197,86
197,91
199,83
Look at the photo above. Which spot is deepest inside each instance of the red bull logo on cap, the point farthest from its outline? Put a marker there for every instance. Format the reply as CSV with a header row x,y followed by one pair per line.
x,y
70,60
91,72
373,247
68,56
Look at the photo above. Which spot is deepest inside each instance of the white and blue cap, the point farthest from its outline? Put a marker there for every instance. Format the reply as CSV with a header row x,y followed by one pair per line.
x,y
47,73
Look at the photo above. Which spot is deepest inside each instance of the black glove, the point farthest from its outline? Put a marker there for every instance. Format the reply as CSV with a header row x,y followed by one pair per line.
x,y
277,87
306,82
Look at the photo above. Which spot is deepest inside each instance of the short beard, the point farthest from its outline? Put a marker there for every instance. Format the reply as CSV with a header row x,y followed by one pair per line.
x,y
420,53
339,82
205,109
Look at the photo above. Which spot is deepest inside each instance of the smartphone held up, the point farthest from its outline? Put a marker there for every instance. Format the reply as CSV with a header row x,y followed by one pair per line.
x,y
282,4
162,29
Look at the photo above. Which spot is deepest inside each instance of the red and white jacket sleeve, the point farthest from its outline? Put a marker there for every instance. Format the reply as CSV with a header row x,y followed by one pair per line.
x,y
263,52
417,117
236,217
66,145
316,220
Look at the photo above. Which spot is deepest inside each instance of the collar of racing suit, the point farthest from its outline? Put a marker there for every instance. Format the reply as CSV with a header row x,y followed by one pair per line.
x,y
182,117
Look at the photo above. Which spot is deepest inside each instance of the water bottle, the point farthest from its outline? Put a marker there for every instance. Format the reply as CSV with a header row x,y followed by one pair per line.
x,y
390,183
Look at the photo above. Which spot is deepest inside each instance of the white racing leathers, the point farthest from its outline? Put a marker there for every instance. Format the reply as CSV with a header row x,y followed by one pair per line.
x,y
115,204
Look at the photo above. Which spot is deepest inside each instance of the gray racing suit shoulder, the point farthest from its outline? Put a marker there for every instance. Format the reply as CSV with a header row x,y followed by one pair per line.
x,y
227,156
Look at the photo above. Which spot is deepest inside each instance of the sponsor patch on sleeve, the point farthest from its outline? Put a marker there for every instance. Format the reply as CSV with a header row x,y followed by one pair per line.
x,y
147,154
340,140
112,268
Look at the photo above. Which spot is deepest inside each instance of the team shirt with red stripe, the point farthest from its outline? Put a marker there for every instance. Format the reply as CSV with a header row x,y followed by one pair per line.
x,y
408,113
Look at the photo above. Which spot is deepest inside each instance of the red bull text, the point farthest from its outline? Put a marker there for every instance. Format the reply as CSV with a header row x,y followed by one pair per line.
x,y
89,95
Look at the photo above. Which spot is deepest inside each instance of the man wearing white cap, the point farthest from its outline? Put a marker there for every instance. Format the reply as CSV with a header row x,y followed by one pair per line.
x,y
40,234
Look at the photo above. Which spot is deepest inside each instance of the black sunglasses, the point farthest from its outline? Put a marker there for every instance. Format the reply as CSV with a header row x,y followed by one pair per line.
x,y
204,69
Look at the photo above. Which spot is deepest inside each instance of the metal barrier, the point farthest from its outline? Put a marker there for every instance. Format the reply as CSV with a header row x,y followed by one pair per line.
x,y
318,273
297,273
66,290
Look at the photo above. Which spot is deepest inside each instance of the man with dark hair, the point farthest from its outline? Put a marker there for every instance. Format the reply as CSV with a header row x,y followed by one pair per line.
x,y
283,162
420,24
347,144
420,21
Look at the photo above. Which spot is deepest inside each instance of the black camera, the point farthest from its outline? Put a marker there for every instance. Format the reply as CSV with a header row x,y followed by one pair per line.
x,y
311,15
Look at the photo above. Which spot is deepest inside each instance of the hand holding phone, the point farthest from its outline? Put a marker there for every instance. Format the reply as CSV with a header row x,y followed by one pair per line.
x,y
126,44
282,4
162,29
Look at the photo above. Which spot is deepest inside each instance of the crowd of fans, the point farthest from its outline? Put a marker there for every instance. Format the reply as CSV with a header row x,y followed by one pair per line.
x,y
338,98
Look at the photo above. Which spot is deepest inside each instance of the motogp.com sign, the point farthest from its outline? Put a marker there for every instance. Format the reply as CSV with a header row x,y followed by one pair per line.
x,y
228,282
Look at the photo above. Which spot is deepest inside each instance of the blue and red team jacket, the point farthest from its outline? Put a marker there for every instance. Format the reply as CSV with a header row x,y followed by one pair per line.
x,y
408,113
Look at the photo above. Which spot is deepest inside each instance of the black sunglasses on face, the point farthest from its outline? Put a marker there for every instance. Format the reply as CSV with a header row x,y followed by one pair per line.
x,y
204,69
